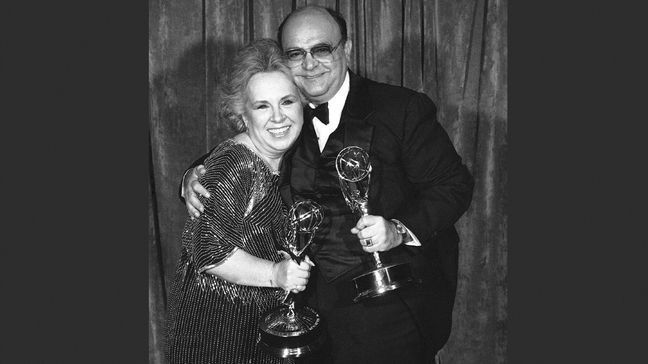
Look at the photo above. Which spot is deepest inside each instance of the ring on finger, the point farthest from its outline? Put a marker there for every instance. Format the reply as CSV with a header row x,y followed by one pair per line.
x,y
368,242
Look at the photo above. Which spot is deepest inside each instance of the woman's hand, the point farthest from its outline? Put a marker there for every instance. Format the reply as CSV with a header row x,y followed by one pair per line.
x,y
290,276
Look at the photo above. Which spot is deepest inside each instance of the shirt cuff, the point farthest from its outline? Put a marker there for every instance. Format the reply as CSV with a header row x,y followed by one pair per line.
x,y
414,241
182,182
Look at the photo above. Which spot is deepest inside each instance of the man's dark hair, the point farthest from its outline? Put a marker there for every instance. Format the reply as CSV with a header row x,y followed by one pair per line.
x,y
339,19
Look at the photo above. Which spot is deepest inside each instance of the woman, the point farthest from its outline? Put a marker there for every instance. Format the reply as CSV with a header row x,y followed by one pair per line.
x,y
230,271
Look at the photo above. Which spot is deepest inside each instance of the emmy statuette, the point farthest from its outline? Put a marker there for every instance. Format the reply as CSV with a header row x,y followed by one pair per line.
x,y
354,172
292,330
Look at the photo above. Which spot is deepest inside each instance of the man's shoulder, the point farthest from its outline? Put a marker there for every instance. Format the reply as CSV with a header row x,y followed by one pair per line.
x,y
388,94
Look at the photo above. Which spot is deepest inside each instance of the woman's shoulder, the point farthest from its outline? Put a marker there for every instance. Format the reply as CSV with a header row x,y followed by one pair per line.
x,y
229,149
230,158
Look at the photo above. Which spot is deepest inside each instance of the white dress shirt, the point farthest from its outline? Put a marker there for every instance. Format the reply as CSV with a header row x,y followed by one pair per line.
x,y
335,106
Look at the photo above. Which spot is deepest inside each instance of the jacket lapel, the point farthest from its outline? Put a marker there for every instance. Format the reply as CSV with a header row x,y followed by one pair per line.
x,y
357,109
359,131
284,175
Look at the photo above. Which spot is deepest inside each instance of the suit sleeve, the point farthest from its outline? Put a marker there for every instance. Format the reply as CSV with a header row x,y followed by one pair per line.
x,y
196,163
442,185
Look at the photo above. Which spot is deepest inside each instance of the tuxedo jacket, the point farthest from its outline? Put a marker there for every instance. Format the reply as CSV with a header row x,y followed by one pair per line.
x,y
417,176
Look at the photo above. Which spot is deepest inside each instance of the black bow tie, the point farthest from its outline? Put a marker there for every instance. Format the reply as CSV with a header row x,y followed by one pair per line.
x,y
321,111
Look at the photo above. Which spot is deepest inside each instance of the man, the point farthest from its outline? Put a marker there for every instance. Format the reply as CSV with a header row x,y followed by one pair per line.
x,y
419,189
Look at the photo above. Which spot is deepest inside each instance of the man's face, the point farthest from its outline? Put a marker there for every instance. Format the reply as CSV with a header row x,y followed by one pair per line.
x,y
318,80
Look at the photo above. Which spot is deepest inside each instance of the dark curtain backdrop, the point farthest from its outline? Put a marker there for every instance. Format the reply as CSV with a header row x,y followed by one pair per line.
x,y
455,51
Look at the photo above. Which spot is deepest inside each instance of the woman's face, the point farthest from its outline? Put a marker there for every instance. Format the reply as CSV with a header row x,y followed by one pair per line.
x,y
272,112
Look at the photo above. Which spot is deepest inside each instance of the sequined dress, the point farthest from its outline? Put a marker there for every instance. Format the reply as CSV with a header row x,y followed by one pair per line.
x,y
211,320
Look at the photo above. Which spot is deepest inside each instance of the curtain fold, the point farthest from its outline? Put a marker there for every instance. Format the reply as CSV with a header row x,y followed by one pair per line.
x,y
455,51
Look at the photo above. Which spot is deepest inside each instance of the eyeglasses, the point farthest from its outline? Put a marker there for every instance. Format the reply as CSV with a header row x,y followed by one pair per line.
x,y
321,52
